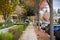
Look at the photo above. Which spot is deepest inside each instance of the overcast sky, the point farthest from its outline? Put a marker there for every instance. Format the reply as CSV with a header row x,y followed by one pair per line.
x,y
56,4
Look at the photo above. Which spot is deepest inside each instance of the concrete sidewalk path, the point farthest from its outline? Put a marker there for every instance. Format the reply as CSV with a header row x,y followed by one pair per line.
x,y
29,33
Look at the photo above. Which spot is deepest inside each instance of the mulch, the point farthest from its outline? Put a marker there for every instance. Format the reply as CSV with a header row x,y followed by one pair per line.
x,y
41,35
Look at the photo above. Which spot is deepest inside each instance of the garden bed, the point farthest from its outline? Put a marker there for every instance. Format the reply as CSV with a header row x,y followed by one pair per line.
x,y
3,25
13,33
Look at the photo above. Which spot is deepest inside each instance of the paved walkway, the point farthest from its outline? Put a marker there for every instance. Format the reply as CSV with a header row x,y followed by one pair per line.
x,y
6,29
29,33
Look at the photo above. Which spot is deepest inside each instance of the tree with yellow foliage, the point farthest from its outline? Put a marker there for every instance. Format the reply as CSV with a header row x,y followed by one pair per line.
x,y
7,7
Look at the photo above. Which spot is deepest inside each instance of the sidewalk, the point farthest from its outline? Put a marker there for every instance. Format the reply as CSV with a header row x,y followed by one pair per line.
x,y
6,29
41,34
29,33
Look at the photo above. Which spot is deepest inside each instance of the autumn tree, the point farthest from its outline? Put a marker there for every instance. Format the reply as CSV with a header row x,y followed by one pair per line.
x,y
28,5
7,7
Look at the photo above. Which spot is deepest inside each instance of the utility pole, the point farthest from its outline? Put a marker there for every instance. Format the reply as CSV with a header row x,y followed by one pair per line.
x,y
50,2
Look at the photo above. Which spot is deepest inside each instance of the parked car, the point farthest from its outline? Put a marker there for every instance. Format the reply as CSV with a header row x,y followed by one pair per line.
x,y
56,30
42,24
38,23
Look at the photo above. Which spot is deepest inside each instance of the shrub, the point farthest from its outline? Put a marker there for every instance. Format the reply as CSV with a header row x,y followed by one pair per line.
x,y
16,31
0,36
1,27
6,36
23,23
9,23
1,24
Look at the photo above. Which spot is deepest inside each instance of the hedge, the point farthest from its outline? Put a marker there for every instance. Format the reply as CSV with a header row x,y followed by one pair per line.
x,y
18,30
6,36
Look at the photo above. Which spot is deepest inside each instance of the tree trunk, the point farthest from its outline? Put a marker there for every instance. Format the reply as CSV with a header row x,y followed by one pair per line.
x,y
37,7
51,20
6,17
